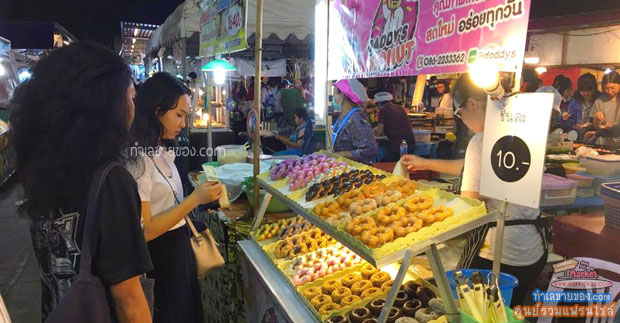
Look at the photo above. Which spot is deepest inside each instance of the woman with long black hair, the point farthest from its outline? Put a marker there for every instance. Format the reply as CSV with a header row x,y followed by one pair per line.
x,y
68,121
161,106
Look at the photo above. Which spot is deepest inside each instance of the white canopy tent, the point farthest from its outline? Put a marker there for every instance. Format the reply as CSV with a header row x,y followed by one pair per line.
x,y
180,24
283,18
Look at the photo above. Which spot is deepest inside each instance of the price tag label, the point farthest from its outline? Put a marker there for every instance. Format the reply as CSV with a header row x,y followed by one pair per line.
x,y
514,146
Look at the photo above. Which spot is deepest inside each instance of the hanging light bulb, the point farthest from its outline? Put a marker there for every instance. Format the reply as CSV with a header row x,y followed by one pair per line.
x,y
486,76
219,76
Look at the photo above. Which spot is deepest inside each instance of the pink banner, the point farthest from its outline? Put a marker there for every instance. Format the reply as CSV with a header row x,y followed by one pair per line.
x,y
380,38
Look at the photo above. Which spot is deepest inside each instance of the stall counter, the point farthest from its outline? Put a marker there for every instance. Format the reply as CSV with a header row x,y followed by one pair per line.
x,y
586,235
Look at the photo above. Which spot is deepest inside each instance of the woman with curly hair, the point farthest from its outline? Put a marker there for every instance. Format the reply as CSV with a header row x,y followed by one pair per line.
x,y
68,121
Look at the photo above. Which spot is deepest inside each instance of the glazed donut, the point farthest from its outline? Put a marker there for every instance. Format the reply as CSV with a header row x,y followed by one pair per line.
x,y
348,300
339,293
390,213
350,279
320,300
406,187
362,207
360,286
374,189
329,286
360,224
406,225
418,203
433,215
283,248
312,292
328,308
345,200
387,285
327,209
388,197
377,279
370,292
370,238
385,235
367,271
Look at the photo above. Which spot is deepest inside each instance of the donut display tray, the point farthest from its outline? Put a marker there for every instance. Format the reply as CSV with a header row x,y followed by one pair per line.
x,y
468,214
342,310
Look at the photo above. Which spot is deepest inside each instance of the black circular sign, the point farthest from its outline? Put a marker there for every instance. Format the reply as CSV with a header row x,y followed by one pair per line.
x,y
510,158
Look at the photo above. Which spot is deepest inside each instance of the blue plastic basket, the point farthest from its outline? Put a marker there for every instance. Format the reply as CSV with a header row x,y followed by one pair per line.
x,y
610,192
507,282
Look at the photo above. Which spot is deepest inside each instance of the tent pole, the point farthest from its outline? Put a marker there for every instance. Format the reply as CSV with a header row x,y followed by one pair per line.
x,y
258,57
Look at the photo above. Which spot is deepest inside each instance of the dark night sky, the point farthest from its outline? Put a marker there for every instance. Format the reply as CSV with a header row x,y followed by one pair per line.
x,y
99,20
96,20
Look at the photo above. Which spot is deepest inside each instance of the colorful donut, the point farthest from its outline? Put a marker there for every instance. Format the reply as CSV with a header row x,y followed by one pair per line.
x,y
283,248
297,250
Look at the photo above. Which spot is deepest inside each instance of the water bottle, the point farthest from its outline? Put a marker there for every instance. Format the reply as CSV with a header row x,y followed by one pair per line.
x,y
403,148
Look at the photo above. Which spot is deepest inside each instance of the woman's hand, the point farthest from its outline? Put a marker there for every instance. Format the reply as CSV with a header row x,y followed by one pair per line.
x,y
413,162
208,192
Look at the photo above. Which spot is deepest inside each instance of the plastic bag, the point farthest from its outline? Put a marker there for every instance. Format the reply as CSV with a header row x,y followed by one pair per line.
x,y
232,175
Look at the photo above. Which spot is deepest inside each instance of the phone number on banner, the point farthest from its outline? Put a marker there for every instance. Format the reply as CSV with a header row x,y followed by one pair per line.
x,y
445,59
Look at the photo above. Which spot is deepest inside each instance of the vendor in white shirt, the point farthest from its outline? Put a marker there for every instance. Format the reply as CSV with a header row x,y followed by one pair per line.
x,y
161,106
524,252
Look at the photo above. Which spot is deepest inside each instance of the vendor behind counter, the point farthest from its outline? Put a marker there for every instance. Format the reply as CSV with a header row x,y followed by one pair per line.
x,y
393,123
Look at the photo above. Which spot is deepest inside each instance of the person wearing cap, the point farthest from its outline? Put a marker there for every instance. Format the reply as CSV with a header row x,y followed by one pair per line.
x,y
352,136
393,123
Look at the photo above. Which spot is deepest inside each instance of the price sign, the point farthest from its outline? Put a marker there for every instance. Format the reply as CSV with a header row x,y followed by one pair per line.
x,y
514,145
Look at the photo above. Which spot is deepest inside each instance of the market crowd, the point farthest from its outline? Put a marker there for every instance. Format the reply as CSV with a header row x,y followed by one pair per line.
x,y
127,217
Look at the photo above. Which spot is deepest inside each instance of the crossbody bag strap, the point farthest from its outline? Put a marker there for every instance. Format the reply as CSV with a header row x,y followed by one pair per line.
x,y
187,219
90,233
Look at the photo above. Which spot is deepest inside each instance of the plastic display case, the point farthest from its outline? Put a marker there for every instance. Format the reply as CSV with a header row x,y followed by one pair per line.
x,y
557,190
604,165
